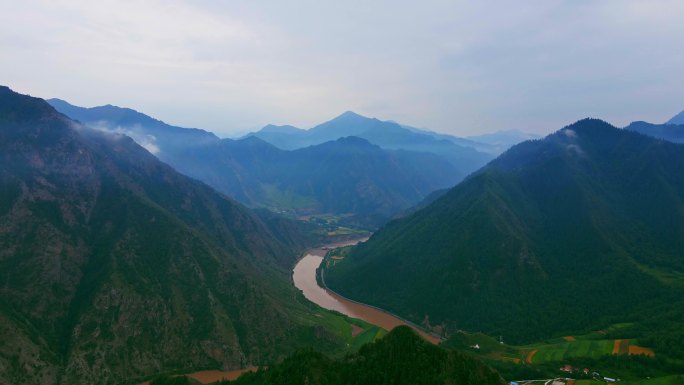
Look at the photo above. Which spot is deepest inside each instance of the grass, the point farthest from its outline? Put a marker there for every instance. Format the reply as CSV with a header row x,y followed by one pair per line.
x,y
369,335
569,349
346,231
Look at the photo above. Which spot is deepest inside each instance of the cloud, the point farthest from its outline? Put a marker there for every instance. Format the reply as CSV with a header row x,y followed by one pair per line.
x,y
135,132
458,66
570,133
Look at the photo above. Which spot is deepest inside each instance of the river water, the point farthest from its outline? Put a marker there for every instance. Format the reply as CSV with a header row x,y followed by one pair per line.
x,y
304,277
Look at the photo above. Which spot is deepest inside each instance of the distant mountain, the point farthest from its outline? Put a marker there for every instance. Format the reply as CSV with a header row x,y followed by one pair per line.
x,y
280,136
670,131
156,136
503,140
386,134
351,177
677,119
114,266
345,176
573,232
401,357
479,146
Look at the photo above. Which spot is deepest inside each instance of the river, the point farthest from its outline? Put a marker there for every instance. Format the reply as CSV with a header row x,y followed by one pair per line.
x,y
304,277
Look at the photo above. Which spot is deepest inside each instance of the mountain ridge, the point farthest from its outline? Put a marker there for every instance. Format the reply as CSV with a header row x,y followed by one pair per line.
x,y
670,132
116,267
677,119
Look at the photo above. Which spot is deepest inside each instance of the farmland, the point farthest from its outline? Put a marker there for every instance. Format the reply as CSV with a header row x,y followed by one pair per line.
x,y
582,357
592,345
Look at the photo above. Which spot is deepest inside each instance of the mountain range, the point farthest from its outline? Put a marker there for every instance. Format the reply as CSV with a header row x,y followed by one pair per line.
x,y
569,233
503,140
116,267
386,134
341,173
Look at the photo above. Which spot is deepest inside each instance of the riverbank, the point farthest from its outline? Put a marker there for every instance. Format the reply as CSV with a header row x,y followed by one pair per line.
x,y
305,278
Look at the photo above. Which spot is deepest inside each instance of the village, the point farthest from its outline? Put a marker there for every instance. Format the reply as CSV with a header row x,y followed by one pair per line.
x,y
589,377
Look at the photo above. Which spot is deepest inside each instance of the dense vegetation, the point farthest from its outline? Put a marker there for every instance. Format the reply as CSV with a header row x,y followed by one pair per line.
x,y
570,233
401,357
115,267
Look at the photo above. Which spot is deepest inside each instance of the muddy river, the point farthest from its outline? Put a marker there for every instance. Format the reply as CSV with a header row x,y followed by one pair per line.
x,y
304,277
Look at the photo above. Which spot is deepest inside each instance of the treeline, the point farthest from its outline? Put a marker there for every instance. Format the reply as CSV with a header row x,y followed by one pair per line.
x,y
401,357
664,332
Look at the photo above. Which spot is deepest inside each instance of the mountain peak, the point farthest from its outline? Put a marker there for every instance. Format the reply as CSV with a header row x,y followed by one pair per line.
x,y
284,129
17,107
590,126
351,115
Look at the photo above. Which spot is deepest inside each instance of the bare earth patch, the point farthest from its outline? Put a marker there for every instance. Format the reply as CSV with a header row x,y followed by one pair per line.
x,y
636,350
356,330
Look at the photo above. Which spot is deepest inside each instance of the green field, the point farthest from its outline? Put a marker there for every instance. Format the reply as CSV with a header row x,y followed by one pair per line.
x,y
564,350
597,351
592,345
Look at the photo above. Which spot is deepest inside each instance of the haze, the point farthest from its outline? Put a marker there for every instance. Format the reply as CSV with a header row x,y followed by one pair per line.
x,y
461,67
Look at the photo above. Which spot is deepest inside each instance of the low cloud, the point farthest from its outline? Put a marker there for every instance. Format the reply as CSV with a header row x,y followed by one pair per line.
x,y
570,133
146,141
575,148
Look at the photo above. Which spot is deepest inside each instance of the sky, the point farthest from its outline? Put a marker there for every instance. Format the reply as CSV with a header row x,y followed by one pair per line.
x,y
461,67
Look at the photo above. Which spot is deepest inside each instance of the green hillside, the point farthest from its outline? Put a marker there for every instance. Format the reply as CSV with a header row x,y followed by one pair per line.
x,y
563,235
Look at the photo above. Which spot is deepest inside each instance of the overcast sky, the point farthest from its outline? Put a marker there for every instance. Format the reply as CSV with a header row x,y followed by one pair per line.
x,y
463,67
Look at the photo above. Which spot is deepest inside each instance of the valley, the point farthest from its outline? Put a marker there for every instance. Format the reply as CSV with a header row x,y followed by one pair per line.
x,y
519,249
341,193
